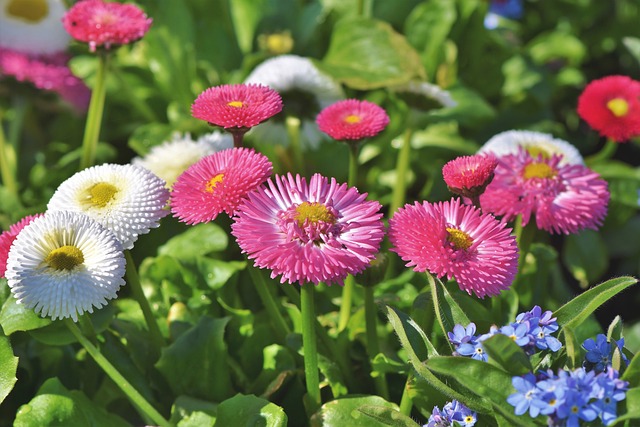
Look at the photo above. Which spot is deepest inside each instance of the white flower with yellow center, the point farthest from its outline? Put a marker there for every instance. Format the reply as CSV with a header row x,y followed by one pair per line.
x,y
427,90
33,26
536,143
64,264
305,92
126,199
169,159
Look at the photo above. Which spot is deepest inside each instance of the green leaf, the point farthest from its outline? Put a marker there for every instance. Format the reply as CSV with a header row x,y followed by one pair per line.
x,y
368,54
632,373
249,411
448,311
149,135
578,309
506,354
9,364
56,333
54,405
412,337
633,407
246,15
183,362
16,317
346,412
585,255
215,272
633,45
190,412
387,416
196,241
331,372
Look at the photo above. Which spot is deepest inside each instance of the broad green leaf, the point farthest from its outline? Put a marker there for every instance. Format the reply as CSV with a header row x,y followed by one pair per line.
x,y
571,347
387,416
198,240
54,405
9,364
56,333
633,45
507,355
632,373
586,256
448,312
346,412
245,15
195,364
578,309
368,54
149,135
16,317
632,403
412,337
556,45
187,410
249,410
215,272
331,372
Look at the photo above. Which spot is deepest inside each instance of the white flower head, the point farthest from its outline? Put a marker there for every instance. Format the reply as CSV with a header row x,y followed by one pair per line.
x,y
63,264
536,143
427,90
305,91
169,159
126,199
33,26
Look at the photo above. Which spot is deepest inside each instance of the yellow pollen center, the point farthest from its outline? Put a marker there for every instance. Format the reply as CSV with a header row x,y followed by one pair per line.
x,y
102,193
64,258
32,11
539,170
279,44
213,182
459,238
618,107
352,119
468,419
235,104
536,151
314,212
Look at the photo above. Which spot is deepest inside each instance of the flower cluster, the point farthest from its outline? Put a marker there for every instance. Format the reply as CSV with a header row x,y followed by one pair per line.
x,y
532,331
452,412
600,353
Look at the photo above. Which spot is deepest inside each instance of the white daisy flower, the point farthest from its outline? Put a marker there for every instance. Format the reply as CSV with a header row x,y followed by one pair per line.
x,y
535,143
126,199
63,264
428,90
305,92
169,159
33,26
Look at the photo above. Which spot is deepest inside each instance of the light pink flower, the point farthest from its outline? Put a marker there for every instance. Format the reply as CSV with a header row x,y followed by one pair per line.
x,y
101,23
218,183
468,176
316,232
564,199
457,241
352,119
7,237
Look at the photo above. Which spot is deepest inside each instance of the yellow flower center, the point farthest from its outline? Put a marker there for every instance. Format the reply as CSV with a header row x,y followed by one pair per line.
x,y
468,419
618,107
539,170
536,151
276,44
352,119
102,193
32,11
64,258
314,212
235,104
459,238
213,182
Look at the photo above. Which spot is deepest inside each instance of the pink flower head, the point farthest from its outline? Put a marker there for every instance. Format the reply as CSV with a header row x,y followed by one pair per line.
x,y
236,106
468,176
218,183
611,105
458,241
101,23
316,232
352,119
564,198
7,238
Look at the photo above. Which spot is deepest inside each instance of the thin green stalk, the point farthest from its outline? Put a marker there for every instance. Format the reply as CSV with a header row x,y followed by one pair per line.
x,y
94,115
345,304
406,403
133,280
293,129
365,8
354,149
309,347
373,346
402,168
145,408
6,168
607,151
280,325
524,238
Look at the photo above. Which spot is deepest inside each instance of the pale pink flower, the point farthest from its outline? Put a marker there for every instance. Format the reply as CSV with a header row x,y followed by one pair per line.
x,y
352,119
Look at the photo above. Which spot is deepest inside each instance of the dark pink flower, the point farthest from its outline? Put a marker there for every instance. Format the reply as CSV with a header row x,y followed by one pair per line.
x,y
7,238
101,23
352,119
468,176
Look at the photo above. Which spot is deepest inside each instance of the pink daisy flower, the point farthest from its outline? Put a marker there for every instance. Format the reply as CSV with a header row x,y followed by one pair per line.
x,y
105,24
352,119
611,105
316,232
218,183
7,238
468,176
564,198
458,241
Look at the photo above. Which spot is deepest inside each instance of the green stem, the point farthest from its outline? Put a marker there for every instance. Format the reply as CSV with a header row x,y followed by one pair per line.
x,y
365,8
309,346
133,280
146,409
373,346
94,115
524,238
238,137
6,168
402,167
406,403
354,149
345,304
280,325
293,129
607,151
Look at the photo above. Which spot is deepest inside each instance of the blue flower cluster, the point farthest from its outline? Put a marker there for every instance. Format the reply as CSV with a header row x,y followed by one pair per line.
x,y
600,353
532,331
453,411
570,396
511,9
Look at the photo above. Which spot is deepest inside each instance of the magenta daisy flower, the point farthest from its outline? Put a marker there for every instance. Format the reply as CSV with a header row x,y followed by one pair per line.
x,y
468,176
564,198
101,23
458,241
352,119
611,106
7,238
316,232
218,183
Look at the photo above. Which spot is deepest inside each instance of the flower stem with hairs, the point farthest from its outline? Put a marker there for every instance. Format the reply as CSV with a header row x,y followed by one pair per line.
x,y
402,168
373,346
94,115
309,346
293,130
